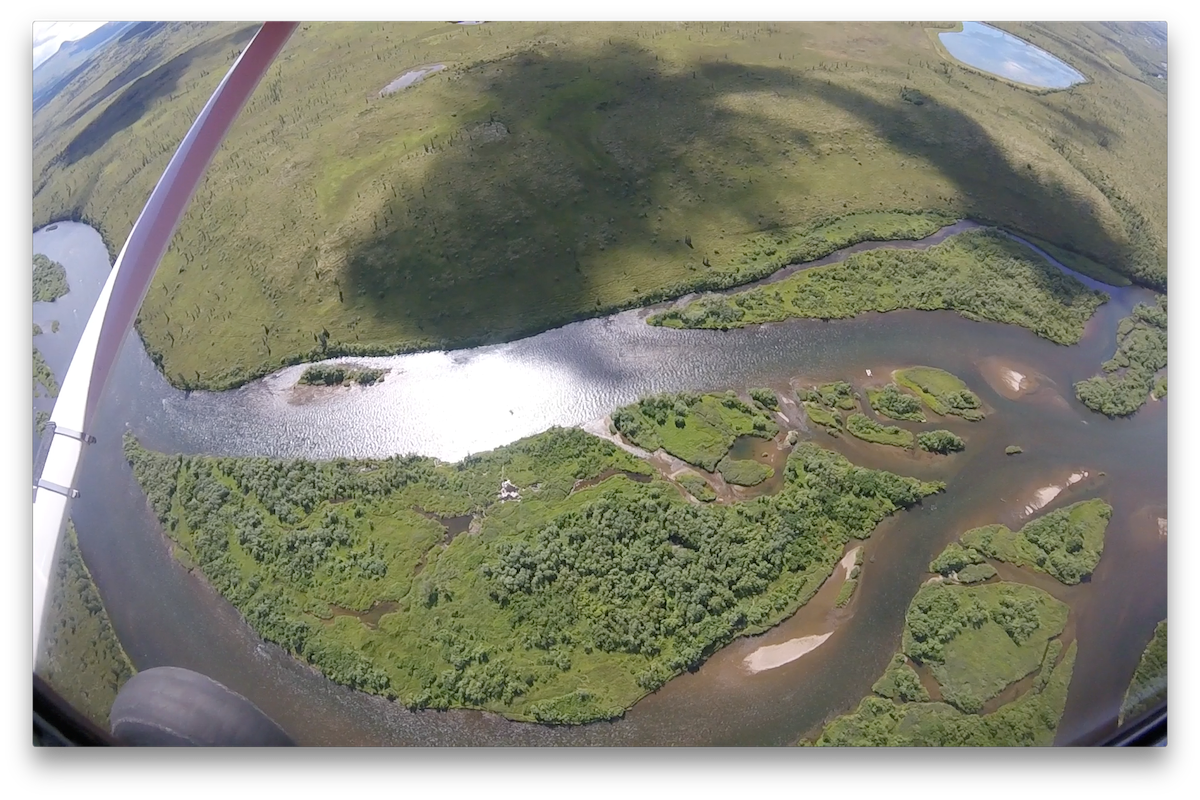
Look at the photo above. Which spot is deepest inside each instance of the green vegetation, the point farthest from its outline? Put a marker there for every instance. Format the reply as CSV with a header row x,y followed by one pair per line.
x,y
962,564
697,487
940,441
337,374
744,471
560,170
1160,388
954,558
981,274
1129,376
976,573
1082,264
566,606
891,402
901,682
1149,685
37,329
49,279
942,392
819,415
54,326
700,429
1013,450
765,398
81,656
869,430
43,375
40,419
846,592
835,395
975,641
1066,543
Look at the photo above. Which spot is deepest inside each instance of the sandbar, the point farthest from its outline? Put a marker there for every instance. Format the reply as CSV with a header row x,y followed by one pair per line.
x,y
776,655
848,560
1043,496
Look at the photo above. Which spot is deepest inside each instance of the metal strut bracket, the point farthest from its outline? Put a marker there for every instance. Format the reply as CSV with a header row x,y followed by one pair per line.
x,y
53,430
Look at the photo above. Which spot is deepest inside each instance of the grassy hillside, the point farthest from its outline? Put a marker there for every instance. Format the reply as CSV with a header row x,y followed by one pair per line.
x,y
564,605
555,171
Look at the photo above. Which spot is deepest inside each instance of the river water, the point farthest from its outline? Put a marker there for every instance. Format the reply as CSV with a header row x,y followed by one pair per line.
x,y
449,404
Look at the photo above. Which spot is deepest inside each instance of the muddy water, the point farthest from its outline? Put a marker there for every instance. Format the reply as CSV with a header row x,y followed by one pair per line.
x,y
166,615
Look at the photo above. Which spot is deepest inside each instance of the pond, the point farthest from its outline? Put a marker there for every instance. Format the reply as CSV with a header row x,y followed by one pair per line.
x,y
411,78
1004,55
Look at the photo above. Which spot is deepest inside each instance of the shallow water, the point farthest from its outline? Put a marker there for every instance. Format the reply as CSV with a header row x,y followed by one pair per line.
x,y
428,404
1007,56
411,78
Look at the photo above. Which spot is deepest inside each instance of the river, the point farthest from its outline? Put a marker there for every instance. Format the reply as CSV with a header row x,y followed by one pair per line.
x,y
449,404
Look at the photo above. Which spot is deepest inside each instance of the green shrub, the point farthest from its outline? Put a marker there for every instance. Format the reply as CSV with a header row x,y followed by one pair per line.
x,y
869,430
744,472
49,279
940,441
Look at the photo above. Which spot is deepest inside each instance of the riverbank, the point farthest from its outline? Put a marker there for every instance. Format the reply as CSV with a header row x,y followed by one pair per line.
x,y
376,550
981,274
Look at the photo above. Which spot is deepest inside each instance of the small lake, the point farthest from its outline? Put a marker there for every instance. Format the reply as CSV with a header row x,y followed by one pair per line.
x,y
1002,54
411,78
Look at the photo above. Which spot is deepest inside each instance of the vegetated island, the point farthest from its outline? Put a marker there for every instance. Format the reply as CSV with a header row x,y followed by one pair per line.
x,y
1149,684
81,656
1066,543
973,641
576,590
339,374
891,402
846,592
981,274
869,430
940,441
37,329
540,177
43,375
49,279
1129,376
944,393
698,428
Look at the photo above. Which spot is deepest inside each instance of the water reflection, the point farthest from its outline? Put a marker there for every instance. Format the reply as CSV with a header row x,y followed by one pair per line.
x,y
451,404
